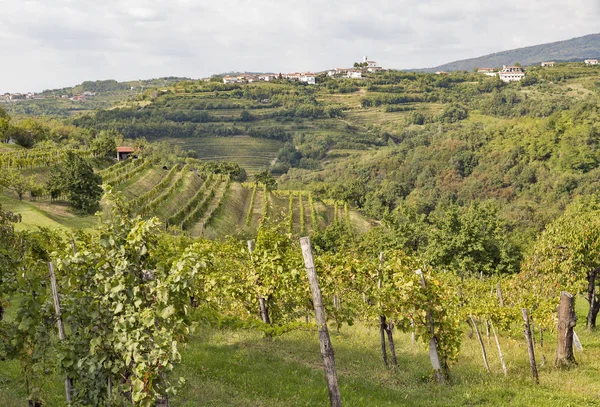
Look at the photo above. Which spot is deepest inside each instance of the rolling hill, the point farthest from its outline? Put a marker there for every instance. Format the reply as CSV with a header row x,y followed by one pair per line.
x,y
575,49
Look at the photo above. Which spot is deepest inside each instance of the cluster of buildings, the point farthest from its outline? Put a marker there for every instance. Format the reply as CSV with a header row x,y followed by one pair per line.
x,y
507,74
16,97
357,71
516,73
306,77
80,98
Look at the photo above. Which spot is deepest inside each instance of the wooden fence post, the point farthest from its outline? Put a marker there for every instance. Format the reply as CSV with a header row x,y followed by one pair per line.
x,y
434,355
530,349
325,341
59,323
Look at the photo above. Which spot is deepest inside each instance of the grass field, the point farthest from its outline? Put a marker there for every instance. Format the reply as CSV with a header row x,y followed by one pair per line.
x,y
253,154
235,368
46,214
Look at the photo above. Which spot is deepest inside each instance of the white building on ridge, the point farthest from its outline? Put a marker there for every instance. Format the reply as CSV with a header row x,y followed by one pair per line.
x,y
511,73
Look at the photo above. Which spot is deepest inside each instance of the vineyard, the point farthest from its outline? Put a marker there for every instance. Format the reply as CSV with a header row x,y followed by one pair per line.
x,y
403,239
391,316
36,158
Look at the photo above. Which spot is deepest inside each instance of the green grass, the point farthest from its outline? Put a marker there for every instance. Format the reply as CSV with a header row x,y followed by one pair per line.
x,y
46,214
241,368
225,368
253,154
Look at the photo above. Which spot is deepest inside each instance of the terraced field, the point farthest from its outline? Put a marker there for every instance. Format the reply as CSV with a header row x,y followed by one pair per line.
x,y
237,208
200,204
253,154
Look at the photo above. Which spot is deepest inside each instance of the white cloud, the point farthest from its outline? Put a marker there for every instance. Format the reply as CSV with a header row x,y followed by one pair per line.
x,y
54,43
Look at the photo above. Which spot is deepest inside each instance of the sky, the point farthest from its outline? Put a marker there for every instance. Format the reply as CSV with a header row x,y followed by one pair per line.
x,y
48,44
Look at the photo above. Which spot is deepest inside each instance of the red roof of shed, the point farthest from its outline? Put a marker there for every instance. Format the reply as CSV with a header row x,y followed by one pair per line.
x,y
125,149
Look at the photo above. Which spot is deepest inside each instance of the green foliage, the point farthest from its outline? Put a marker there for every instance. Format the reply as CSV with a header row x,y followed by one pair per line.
x,y
453,113
266,179
105,145
76,179
140,301
12,180
472,241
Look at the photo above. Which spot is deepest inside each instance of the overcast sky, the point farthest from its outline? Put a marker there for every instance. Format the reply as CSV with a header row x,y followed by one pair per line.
x,y
46,44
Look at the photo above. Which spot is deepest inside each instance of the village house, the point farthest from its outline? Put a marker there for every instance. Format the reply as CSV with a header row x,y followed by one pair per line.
x,y
308,78
355,74
267,77
591,62
548,64
292,76
124,152
442,73
230,79
511,73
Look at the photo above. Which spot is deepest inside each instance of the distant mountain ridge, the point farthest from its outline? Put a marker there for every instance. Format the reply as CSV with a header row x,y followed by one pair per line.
x,y
575,49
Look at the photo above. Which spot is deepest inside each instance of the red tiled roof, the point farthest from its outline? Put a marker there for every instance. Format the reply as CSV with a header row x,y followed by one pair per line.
x,y
125,149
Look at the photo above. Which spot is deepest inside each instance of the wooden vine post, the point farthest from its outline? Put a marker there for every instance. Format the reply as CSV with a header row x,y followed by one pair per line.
x,y
530,349
382,322
566,322
59,323
386,327
326,346
262,304
484,354
434,355
500,354
499,294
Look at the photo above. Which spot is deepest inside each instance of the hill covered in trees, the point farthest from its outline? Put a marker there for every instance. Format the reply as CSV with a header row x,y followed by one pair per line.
x,y
575,49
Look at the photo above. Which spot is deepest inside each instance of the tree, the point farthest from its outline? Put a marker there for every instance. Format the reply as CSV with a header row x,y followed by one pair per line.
x,y
4,123
105,144
76,178
14,181
20,136
472,241
267,179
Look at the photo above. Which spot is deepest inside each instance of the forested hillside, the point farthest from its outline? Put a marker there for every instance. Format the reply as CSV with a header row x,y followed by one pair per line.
x,y
575,49
398,143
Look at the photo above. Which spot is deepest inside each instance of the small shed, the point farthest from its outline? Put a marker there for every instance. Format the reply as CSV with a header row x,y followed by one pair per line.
x,y
124,153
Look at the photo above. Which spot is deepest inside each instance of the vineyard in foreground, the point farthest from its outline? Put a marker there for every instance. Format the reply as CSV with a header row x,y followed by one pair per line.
x,y
148,289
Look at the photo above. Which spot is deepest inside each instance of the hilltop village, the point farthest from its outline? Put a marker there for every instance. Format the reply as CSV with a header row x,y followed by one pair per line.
x,y
359,70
